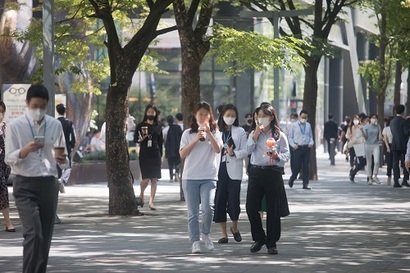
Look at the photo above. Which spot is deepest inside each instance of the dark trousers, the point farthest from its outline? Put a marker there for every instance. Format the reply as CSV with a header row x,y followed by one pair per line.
x,y
227,196
302,160
269,183
398,161
389,162
352,157
36,202
292,158
173,163
359,166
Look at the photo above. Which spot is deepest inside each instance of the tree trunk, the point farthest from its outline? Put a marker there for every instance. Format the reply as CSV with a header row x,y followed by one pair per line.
x,y
408,90
309,104
194,47
384,72
397,85
120,182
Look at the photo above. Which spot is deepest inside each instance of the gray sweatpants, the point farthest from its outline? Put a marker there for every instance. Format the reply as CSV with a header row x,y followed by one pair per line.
x,y
36,202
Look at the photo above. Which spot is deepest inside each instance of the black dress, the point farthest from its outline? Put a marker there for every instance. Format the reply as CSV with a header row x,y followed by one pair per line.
x,y
150,150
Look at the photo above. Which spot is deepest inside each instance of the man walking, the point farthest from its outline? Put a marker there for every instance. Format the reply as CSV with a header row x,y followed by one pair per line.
x,y
69,135
301,140
330,134
400,132
30,143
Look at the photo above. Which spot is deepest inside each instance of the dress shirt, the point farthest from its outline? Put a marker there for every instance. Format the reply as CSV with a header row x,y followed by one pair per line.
x,y
300,134
408,151
258,150
20,132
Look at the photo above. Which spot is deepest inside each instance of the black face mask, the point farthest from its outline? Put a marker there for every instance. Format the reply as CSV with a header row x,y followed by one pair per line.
x,y
150,117
249,121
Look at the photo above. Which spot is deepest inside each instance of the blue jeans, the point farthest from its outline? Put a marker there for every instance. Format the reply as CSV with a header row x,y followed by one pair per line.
x,y
199,192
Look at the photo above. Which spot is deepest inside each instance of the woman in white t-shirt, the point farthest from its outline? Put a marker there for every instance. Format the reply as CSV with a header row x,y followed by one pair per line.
x,y
200,145
388,139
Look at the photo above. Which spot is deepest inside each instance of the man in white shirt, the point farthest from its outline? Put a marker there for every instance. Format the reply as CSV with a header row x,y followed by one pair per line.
x,y
30,143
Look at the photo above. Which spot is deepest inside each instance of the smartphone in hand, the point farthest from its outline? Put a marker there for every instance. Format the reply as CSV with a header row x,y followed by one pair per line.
x,y
39,140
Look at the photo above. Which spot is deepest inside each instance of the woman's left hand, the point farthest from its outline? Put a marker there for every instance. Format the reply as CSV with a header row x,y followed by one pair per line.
x,y
229,150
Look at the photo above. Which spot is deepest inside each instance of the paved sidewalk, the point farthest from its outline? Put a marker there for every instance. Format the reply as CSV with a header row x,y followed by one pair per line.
x,y
336,227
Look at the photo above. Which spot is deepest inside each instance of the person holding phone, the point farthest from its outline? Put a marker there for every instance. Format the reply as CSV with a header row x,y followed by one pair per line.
x,y
30,143
228,187
148,134
200,172
269,150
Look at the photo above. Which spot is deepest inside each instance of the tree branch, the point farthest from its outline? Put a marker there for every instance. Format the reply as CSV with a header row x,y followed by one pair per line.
x,y
204,17
166,30
192,11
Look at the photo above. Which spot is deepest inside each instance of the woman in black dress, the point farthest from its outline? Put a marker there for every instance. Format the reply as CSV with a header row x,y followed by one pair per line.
x,y
148,134
4,194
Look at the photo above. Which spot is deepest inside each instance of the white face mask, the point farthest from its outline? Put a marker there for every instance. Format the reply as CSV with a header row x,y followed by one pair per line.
x,y
229,120
355,122
264,121
373,121
36,114
293,120
302,120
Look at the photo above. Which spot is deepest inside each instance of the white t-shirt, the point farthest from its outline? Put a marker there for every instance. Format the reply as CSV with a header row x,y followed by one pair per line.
x,y
387,133
202,162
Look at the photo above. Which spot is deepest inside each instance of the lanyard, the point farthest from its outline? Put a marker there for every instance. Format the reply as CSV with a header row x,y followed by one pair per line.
x,y
304,128
39,151
31,127
226,137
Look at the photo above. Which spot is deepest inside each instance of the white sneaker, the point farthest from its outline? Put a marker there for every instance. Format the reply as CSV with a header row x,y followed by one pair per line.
x,y
375,179
196,247
389,180
208,242
369,180
61,186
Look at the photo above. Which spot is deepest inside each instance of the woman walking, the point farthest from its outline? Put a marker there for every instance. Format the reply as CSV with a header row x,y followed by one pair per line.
x,y
228,189
148,134
270,150
4,170
388,139
372,135
200,145
356,136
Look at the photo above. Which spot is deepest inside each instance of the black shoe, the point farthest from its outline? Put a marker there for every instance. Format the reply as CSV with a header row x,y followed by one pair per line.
x,y
406,184
396,185
223,240
351,178
290,182
257,246
307,188
272,250
236,235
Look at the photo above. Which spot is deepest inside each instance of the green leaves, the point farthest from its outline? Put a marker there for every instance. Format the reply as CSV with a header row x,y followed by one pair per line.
x,y
242,50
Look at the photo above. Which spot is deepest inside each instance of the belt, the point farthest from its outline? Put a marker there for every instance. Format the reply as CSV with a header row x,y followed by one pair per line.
x,y
270,167
303,146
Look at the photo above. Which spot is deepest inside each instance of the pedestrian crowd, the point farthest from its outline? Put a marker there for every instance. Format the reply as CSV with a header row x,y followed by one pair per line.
x,y
38,148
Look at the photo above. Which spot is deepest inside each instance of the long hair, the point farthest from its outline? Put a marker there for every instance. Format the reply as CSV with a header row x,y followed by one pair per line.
x,y
151,106
353,118
221,123
253,125
268,109
2,104
193,124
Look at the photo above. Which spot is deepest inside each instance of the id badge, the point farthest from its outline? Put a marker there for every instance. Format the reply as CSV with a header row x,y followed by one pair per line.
x,y
149,143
